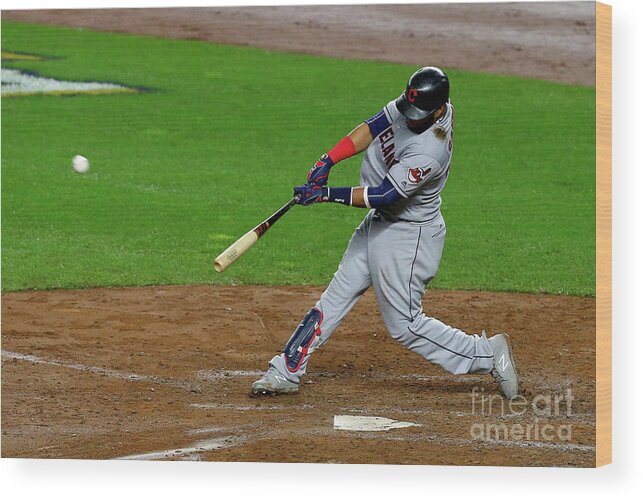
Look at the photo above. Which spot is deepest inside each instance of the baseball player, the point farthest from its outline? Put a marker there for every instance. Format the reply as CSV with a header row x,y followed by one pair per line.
x,y
398,246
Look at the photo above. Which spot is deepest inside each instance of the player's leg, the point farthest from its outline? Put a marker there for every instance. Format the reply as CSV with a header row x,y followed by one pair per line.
x,y
403,260
349,283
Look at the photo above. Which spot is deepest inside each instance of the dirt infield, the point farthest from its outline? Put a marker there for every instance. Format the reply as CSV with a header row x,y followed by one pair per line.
x,y
548,41
165,373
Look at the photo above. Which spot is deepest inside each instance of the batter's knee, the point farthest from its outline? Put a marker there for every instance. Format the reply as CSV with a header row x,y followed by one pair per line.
x,y
398,326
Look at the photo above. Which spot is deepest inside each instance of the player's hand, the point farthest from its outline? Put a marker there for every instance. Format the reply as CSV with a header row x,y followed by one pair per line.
x,y
318,174
310,193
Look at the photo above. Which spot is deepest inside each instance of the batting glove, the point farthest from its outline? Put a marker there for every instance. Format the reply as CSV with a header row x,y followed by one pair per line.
x,y
310,194
318,174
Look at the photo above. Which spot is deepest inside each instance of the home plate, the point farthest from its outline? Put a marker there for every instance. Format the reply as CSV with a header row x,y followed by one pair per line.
x,y
368,423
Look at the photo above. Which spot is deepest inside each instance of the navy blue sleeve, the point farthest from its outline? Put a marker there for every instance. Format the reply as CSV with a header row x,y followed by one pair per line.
x,y
378,123
382,195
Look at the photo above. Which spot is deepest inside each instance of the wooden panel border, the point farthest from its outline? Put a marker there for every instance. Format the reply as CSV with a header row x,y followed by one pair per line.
x,y
603,234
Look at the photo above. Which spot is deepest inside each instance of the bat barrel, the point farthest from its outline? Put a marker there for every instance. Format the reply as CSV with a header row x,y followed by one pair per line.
x,y
245,242
235,250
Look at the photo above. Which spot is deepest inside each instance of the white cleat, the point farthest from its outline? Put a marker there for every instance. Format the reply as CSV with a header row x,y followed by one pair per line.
x,y
273,383
504,365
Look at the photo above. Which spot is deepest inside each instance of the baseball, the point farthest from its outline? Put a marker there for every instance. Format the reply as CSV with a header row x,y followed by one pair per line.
x,y
80,164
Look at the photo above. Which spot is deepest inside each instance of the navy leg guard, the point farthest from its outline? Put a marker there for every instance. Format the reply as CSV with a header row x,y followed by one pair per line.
x,y
301,341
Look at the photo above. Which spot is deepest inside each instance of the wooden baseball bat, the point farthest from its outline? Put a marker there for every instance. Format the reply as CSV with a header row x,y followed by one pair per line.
x,y
245,242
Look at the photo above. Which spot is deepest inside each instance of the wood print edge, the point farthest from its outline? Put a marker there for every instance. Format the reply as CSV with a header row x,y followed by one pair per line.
x,y
603,234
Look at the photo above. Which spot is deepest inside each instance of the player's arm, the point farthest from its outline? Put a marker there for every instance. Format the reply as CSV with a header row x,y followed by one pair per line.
x,y
360,197
403,180
361,137
355,142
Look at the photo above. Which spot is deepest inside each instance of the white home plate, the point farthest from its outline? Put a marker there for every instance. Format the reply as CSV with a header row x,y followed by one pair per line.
x,y
368,423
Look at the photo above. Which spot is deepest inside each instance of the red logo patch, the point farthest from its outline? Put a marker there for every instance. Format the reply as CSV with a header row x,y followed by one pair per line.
x,y
412,95
416,175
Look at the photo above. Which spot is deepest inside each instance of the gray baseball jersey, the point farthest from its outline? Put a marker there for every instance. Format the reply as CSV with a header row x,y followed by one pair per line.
x,y
416,164
397,250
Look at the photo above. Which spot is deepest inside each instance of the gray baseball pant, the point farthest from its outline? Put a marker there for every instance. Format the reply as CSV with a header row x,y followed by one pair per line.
x,y
398,259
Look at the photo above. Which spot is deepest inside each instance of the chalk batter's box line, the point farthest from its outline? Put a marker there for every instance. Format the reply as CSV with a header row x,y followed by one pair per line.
x,y
195,450
222,374
101,371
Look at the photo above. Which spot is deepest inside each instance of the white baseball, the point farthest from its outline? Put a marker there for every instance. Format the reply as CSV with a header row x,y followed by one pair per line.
x,y
80,164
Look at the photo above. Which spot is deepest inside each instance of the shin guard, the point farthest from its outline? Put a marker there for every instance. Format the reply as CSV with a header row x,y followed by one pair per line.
x,y
303,340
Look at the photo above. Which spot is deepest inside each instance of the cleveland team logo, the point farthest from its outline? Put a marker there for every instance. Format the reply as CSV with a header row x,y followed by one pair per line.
x,y
412,95
416,175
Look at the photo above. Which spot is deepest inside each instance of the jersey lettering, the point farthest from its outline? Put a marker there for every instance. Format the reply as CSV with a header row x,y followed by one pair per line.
x,y
390,161
386,151
387,145
388,134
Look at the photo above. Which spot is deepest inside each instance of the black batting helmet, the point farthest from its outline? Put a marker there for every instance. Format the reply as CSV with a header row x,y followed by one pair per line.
x,y
426,91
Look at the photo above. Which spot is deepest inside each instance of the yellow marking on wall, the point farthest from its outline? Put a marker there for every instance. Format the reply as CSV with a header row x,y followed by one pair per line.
x,y
12,56
103,91
18,83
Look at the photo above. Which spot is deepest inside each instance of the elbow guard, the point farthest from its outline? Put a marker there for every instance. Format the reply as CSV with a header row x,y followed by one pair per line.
x,y
382,195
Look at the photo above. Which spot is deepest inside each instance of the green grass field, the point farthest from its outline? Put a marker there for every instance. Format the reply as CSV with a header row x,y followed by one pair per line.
x,y
179,172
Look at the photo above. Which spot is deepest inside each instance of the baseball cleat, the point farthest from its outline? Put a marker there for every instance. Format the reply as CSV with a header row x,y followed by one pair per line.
x,y
273,383
504,365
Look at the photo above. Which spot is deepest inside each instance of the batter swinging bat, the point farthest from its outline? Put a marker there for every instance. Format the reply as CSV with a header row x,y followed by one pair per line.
x,y
245,242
